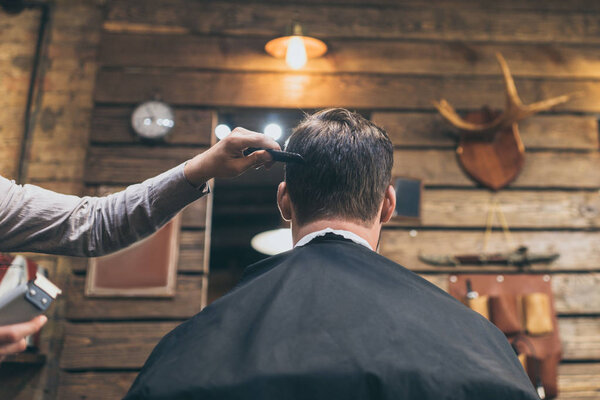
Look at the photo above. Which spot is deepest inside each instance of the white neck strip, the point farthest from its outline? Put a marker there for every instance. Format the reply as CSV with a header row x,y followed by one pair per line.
x,y
346,234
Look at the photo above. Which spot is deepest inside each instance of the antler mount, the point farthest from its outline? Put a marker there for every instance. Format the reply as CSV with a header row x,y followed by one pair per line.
x,y
490,150
514,111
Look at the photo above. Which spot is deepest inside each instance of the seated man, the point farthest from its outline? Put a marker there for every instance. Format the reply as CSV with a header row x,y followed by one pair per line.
x,y
332,319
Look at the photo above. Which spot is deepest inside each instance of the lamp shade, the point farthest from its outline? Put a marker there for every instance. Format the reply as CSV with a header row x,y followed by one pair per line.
x,y
278,47
296,48
273,242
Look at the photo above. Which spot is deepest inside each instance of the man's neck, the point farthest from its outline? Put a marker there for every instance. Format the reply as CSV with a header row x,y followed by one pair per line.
x,y
369,233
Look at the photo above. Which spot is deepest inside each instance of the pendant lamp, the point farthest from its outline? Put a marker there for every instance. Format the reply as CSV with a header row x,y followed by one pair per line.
x,y
296,48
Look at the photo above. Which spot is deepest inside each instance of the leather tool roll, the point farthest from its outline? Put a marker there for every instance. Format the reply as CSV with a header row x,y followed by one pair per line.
x,y
538,317
506,314
480,305
523,360
547,369
521,305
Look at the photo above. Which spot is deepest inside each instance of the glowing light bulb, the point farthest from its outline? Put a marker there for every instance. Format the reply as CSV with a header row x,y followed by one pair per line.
x,y
273,131
295,54
222,131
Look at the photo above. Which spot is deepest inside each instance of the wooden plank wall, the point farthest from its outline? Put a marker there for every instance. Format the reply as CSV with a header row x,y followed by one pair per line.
x,y
390,59
61,115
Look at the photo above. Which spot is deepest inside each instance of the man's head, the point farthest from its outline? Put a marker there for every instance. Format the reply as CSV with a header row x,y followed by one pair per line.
x,y
347,171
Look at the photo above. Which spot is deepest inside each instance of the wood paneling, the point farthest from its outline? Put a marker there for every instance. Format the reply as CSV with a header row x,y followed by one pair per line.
x,y
580,338
127,345
390,59
131,164
115,345
535,5
579,381
113,125
542,169
522,208
95,385
573,293
539,132
576,381
578,251
447,24
191,249
194,215
191,260
367,56
186,303
293,90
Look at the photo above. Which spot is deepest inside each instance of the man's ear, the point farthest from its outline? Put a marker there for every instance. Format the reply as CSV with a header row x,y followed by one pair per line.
x,y
283,202
389,204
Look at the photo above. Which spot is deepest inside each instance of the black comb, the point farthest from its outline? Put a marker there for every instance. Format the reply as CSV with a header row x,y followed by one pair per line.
x,y
278,155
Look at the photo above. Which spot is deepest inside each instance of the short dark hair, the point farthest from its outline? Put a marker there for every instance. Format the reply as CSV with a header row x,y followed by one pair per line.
x,y
348,167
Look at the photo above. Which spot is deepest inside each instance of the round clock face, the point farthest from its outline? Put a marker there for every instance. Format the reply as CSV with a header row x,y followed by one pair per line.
x,y
152,119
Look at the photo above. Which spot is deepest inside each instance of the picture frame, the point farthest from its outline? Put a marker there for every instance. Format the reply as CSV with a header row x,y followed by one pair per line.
x,y
147,268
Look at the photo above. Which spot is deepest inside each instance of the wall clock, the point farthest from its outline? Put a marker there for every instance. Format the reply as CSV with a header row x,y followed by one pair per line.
x,y
153,120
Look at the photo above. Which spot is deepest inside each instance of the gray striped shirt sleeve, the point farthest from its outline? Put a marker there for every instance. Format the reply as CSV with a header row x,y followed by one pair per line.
x,y
39,220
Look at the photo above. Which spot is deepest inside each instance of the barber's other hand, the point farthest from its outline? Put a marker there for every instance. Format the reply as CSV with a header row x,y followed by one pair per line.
x,y
226,159
12,337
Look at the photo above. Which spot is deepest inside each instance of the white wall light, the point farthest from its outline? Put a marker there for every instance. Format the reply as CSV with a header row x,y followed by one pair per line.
x,y
221,131
273,131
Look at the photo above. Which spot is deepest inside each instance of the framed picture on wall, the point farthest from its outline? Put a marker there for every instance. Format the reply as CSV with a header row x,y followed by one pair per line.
x,y
145,269
409,194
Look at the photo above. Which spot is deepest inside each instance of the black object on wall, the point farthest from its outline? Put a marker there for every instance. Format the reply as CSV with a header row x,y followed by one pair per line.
x,y
408,199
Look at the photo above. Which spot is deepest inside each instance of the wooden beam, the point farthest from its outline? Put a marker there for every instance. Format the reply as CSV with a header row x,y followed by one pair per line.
x,y
113,125
186,303
575,382
330,21
352,55
539,132
542,169
302,90
578,250
127,345
573,293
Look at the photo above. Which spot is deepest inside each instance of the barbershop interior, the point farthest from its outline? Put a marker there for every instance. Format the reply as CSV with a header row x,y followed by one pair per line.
x,y
492,108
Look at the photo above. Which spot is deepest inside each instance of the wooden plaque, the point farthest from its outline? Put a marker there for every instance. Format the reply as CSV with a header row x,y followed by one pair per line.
x,y
492,160
145,269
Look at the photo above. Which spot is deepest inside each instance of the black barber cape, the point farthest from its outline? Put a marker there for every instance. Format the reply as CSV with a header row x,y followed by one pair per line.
x,y
333,320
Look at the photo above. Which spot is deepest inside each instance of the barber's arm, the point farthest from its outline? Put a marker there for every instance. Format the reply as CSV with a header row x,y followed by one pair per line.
x,y
39,220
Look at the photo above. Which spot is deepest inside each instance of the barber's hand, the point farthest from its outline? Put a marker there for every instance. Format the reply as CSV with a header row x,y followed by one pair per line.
x,y
226,160
12,337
